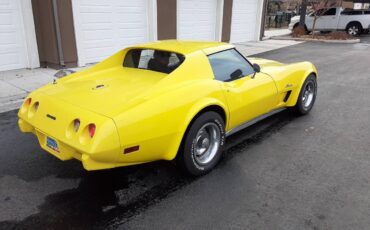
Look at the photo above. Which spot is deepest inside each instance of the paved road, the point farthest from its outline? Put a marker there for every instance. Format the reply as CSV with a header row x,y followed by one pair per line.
x,y
365,38
286,172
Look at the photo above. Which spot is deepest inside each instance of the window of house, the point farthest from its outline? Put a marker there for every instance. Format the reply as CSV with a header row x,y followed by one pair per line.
x,y
229,65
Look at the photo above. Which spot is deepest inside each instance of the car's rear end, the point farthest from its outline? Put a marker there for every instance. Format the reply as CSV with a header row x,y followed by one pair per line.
x,y
68,131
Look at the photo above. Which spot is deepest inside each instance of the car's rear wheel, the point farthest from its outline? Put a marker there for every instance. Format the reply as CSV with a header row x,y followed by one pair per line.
x,y
307,96
354,29
203,144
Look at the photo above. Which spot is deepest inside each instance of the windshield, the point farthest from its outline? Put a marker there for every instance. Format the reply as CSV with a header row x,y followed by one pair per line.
x,y
154,60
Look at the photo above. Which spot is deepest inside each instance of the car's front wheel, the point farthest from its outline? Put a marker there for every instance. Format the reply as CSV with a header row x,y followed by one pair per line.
x,y
307,96
203,144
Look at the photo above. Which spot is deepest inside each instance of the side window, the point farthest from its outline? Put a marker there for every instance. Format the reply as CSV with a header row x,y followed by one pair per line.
x,y
229,65
352,12
357,13
330,12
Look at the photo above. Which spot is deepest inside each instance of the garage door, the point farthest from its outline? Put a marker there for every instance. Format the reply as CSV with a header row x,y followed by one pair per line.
x,y
13,52
105,27
197,19
244,20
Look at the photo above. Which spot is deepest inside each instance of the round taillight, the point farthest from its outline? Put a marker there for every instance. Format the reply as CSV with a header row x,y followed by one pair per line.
x,y
26,105
36,106
76,125
92,129
28,101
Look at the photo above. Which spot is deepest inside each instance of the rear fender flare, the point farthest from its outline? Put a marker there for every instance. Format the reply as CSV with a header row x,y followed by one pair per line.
x,y
193,112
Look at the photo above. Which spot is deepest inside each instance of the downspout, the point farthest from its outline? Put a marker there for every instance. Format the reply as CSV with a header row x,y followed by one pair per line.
x,y
263,19
58,34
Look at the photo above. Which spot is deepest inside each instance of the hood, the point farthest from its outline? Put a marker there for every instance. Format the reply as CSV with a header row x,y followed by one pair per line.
x,y
268,66
105,91
265,63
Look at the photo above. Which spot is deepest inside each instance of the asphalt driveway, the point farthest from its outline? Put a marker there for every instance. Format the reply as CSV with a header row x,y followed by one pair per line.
x,y
285,172
365,38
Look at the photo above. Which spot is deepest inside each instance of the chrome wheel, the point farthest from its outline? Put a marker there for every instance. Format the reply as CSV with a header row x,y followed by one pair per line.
x,y
308,94
353,30
206,143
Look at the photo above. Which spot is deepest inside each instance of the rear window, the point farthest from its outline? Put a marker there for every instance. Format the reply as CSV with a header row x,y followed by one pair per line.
x,y
154,60
352,12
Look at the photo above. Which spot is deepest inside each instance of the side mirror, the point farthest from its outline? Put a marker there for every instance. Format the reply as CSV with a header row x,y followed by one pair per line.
x,y
257,69
63,72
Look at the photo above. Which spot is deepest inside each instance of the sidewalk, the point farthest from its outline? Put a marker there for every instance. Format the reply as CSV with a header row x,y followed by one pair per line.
x,y
252,48
15,85
276,32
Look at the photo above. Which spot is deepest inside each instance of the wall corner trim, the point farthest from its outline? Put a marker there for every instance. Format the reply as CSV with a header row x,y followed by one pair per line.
x,y
33,60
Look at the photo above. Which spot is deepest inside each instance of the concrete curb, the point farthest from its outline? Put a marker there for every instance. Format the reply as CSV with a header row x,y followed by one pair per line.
x,y
352,41
15,103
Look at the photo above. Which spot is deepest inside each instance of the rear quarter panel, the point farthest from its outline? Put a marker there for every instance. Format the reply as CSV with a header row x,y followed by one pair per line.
x,y
344,20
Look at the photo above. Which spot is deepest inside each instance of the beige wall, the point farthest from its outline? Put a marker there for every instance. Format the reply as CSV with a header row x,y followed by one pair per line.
x,y
347,5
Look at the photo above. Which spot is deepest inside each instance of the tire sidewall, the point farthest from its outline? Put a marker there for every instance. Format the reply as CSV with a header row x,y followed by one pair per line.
x,y
300,107
188,152
358,26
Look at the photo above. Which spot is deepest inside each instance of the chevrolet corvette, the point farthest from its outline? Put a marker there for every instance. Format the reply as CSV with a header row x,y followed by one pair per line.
x,y
166,100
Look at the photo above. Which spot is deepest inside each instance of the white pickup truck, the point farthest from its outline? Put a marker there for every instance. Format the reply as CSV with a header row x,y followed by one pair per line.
x,y
354,22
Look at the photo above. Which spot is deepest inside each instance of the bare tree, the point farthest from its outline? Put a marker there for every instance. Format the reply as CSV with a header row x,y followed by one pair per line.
x,y
319,7
303,11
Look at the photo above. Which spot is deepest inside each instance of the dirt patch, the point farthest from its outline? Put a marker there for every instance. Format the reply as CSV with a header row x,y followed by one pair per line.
x,y
301,32
335,35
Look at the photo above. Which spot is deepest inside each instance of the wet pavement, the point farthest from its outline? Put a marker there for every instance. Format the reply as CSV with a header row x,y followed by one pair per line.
x,y
285,172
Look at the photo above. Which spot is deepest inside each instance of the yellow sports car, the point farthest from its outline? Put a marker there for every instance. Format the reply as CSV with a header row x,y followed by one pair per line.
x,y
162,101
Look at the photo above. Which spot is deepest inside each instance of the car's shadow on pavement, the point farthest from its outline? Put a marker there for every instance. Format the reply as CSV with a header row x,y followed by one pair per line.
x,y
109,198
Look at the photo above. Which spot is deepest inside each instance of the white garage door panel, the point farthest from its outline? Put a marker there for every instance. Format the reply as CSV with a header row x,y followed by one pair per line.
x,y
197,19
13,54
244,20
105,27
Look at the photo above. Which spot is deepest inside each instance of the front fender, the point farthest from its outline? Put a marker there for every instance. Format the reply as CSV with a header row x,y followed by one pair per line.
x,y
307,68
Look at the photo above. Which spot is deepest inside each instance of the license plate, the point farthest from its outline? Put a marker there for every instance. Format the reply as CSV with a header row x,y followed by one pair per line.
x,y
51,143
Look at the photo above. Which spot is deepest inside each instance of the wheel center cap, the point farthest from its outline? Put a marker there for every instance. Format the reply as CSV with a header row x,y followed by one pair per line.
x,y
205,143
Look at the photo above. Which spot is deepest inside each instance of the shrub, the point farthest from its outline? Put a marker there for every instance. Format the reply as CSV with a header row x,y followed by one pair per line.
x,y
299,31
339,35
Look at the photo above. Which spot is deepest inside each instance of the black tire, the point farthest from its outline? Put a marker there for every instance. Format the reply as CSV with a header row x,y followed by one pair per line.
x,y
305,102
306,29
354,29
187,156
